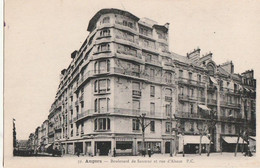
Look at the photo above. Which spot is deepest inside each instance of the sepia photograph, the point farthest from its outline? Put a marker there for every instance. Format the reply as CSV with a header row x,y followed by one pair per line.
x,y
131,83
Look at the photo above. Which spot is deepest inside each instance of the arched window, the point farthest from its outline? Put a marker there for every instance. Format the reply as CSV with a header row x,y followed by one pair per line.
x,y
211,69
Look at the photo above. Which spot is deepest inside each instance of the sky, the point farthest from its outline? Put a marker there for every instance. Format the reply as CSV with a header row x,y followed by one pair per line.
x,y
41,35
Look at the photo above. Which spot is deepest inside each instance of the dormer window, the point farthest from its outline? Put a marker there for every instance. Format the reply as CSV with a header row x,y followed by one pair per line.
x,y
106,20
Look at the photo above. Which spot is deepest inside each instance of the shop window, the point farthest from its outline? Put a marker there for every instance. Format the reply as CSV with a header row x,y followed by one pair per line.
x,y
136,125
102,124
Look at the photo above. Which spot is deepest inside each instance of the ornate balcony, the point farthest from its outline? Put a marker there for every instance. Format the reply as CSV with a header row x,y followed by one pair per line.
x,y
186,81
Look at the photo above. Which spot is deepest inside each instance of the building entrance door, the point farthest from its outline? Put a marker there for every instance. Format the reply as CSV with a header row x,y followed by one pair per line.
x,y
167,147
103,148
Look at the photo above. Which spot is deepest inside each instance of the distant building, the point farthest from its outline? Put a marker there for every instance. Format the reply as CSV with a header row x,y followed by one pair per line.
x,y
123,69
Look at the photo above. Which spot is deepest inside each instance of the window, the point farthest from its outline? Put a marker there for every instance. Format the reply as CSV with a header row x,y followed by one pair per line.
x,y
168,92
82,105
103,47
104,33
181,90
71,132
136,86
102,66
168,127
102,124
168,109
136,125
191,108
102,105
223,128
152,73
230,113
136,70
82,128
229,129
106,20
152,126
102,85
190,76
152,91
180,73
136,105
191,92
168,77
211,70
152,108
199,78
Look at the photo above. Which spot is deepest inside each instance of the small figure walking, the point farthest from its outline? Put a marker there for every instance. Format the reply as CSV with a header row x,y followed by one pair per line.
x,y
149,152
77,151
114,152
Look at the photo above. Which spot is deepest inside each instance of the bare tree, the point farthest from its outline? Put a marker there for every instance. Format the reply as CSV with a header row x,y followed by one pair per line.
x,y
211,125
141,121
202,132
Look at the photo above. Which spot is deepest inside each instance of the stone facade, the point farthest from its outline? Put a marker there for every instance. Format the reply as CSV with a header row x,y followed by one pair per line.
x,y
125,69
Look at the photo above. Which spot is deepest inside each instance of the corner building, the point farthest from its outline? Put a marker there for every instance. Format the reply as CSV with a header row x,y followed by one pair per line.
x,y
124,69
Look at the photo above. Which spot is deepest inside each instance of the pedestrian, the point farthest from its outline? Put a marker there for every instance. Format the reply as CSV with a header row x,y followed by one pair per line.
x,y
77,151
149,152
114,152
143,153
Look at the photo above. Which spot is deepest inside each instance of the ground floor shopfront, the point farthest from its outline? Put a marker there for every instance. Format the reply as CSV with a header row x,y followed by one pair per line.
x,y
108,146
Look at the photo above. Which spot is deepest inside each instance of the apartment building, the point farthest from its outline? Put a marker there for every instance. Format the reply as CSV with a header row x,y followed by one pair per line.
x,y
124,69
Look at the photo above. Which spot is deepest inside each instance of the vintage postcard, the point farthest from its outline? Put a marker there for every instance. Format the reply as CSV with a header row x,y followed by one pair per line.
x,y
131,83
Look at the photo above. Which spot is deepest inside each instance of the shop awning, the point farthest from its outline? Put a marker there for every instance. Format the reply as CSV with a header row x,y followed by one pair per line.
x,y
47,146
213,80
252,137
203,107
195,139
233,140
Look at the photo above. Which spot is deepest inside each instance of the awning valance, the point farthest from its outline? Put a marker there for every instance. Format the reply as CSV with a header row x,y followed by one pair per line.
x,y
233,140
195,139
203,107
213,80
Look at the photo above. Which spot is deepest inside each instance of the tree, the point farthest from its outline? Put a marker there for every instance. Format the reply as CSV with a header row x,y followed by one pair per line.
x,y
202,132
141,121
211,125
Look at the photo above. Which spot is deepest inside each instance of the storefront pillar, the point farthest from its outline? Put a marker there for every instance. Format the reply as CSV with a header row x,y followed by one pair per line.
x,y
135,147
93,147
84,147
